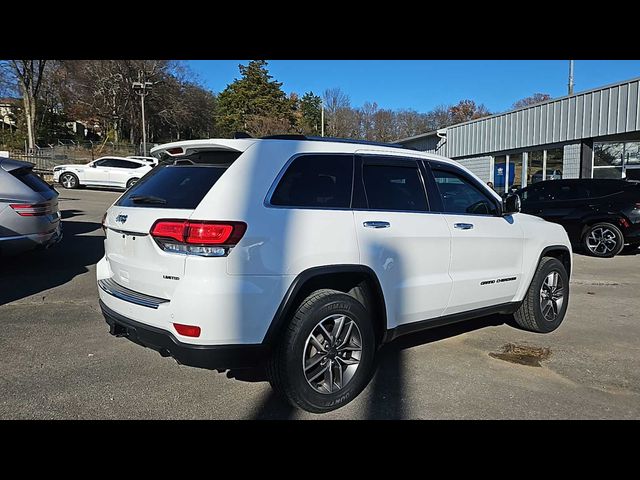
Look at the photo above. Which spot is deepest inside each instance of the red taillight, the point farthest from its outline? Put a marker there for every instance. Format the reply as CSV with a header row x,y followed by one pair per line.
x,y
197,237
32,209
624,222
208,233
174,229
187,330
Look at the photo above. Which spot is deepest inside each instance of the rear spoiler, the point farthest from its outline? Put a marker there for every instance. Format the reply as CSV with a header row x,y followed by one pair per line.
x,y
179,149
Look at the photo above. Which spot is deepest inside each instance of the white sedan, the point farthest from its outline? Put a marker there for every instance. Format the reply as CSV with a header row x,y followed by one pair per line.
x,y
104,172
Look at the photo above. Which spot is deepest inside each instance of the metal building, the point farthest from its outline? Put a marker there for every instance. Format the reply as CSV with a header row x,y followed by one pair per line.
x,y
592,134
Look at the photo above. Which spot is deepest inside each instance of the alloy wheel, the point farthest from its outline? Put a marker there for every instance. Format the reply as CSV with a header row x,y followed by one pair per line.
x,y
68,181
332,353
551,296
601,241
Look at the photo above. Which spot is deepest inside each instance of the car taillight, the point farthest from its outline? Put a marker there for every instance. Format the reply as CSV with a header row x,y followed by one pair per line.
x,y
187,330
32,209
197,237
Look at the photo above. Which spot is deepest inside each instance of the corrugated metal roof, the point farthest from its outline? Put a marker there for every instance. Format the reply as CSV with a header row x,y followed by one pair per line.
x,y
601,111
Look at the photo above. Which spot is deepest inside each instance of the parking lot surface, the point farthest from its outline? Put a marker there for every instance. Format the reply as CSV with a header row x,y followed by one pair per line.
x,y
59,362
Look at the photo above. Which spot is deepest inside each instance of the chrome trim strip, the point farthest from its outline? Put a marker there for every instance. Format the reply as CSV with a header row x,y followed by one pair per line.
x,y
116,290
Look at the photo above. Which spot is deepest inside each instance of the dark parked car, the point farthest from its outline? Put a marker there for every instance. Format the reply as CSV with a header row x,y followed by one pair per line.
x,y
600,215
29,215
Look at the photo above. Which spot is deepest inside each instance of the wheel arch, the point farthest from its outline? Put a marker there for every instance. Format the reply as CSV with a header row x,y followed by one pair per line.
x,y
560,252
359,281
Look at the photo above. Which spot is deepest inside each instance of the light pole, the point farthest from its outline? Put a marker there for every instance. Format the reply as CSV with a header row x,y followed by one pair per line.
x,y
570,77
143,89
322,117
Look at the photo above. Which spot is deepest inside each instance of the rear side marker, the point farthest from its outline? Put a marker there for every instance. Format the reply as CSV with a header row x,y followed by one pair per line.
x,y
187,330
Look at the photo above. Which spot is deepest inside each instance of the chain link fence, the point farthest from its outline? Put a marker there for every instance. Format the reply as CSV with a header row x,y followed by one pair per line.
x,y
45,158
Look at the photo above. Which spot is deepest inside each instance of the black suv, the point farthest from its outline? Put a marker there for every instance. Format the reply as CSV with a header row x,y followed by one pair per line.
x,y
601,215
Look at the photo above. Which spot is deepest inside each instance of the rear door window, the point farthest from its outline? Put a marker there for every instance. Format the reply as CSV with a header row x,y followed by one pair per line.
x,y
394,187
319,181
572,191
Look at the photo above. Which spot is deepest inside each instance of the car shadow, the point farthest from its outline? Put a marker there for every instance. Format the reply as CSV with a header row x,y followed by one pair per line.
x,y
38,270
386,390
65,214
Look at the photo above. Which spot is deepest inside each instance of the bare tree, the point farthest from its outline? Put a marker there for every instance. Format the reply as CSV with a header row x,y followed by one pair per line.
x,y
532,100
29,75
338,113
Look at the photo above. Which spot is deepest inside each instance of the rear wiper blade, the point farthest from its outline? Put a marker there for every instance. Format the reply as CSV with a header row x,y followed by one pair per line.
x,y
147,199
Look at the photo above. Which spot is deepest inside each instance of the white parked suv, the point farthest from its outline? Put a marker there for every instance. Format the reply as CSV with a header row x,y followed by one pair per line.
x,y
306,255
115,172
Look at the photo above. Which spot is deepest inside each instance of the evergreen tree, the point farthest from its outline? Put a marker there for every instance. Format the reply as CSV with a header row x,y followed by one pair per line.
x,y
310,108
254,103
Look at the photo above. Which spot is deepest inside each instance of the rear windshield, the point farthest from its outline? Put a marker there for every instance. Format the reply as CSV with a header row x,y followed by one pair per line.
x,y
173,186
34,182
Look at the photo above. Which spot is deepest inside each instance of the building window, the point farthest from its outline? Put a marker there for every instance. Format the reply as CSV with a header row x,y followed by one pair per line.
x,y
535,166
499,173
515,171
554,164
616,160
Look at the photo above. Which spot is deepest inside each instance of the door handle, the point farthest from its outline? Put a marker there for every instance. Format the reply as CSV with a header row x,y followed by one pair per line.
x,y
463,226
377,224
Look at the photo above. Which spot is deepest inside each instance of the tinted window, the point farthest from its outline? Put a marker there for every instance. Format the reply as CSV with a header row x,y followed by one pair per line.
x,y
572,191
603,188
107,162
539,192
316,181
125,164
173,187
394,188
461,196
34,182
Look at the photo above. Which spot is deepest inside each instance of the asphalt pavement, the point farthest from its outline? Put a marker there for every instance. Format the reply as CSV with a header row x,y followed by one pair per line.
x,y
59,362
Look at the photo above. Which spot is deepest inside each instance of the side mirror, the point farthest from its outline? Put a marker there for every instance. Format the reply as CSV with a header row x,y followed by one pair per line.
x,y
511,204
93,165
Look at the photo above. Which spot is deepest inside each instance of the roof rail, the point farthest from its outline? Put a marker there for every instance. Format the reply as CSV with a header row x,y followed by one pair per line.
x,y
241,135
296,136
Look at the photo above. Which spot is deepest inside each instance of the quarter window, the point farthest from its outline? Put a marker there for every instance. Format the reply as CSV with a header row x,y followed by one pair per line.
x,y
391,187
321,181
461,196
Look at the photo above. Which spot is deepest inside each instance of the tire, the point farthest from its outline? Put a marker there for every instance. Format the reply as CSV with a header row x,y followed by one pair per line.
x,y
69,180
132,182
531,315
603,240
286,367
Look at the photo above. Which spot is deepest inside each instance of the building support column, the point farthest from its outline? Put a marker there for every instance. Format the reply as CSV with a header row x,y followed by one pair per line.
x,y
586,158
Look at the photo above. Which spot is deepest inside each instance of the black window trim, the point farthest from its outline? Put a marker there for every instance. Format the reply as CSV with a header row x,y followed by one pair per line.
x,y
381,159
435,192
267,199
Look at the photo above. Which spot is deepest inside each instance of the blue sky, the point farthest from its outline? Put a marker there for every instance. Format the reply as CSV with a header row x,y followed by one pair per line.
x,y
424,84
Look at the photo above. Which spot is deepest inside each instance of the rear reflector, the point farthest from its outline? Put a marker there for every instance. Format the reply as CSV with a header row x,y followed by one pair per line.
x,y
32,210
187,330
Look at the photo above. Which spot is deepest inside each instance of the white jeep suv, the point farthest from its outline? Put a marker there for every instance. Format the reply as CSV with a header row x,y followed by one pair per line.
x,y
115,172
306,255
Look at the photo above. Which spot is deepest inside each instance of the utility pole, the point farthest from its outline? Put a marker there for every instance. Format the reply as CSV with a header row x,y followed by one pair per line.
x,y
322,118
143,89
570,77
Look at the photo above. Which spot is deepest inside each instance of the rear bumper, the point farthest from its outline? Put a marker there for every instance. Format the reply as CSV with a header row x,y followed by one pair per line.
x,y
22,243
201,356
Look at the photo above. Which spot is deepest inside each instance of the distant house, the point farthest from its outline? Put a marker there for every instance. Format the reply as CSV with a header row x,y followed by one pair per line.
x,y
77,127
9,108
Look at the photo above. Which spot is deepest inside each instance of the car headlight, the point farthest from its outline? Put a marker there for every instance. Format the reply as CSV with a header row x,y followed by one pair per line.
x,y
58,169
